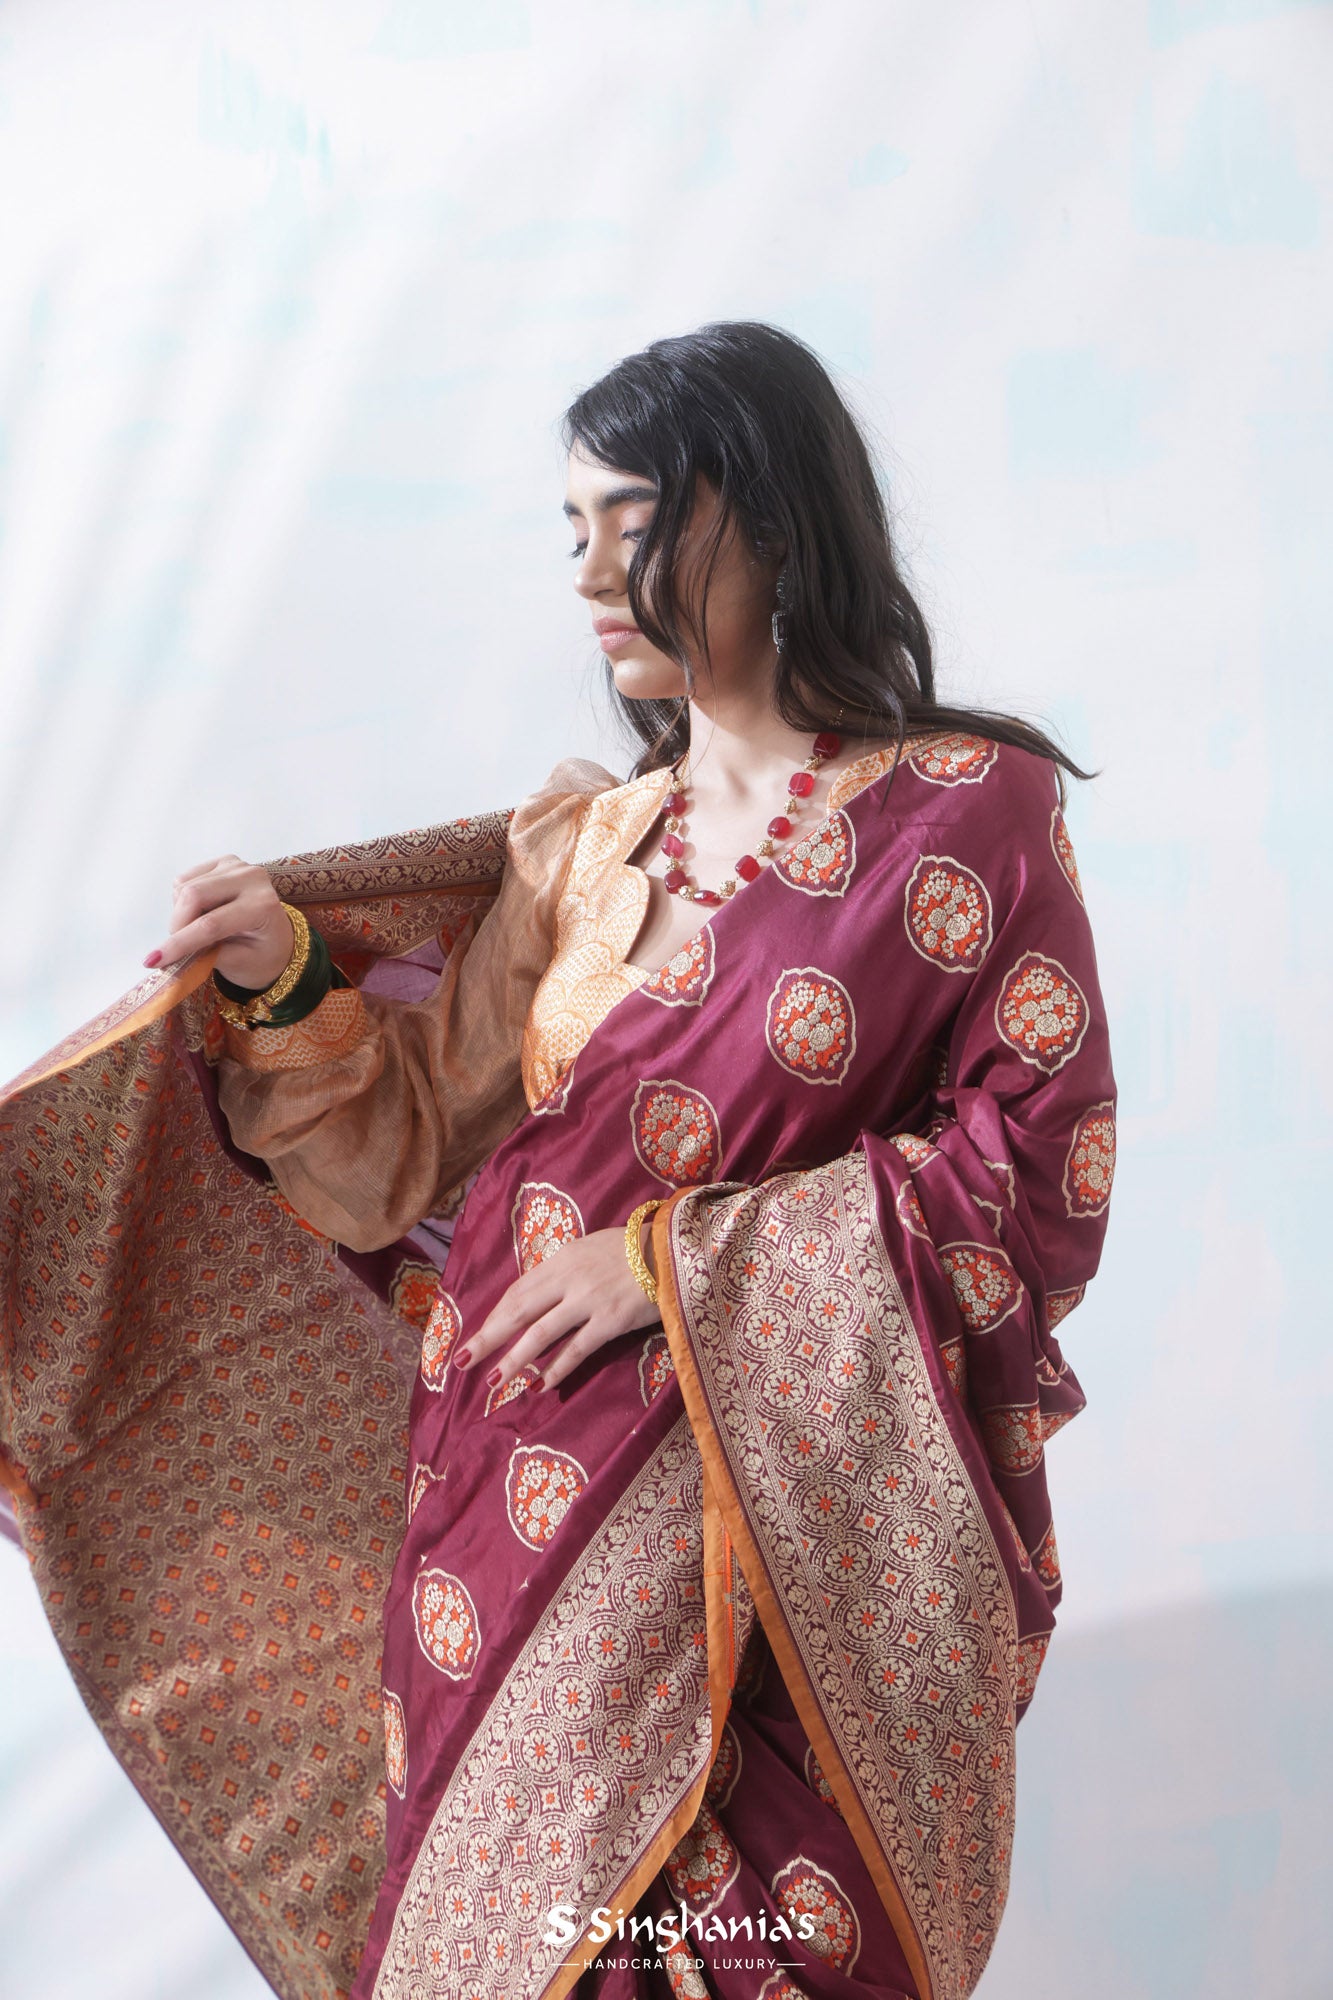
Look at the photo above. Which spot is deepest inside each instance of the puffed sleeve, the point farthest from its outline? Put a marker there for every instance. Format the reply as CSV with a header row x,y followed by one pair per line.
x,y
371,1109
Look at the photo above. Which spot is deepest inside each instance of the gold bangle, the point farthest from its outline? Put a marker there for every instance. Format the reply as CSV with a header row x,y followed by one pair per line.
x,y
647,1282
255,1011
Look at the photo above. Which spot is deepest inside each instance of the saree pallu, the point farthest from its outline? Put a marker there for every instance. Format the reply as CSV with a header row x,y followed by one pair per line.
x,y
737,1622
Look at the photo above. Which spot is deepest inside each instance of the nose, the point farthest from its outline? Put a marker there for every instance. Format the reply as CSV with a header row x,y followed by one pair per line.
x,y
603,569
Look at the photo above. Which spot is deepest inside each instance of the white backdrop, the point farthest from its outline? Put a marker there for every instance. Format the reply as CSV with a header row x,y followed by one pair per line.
x,y
291,297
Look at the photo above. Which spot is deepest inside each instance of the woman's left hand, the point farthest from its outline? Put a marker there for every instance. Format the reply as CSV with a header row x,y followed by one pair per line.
x,y
586,1290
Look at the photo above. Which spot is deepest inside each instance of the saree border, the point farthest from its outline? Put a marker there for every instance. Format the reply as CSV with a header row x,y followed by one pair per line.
x,y
663,1805
942,1965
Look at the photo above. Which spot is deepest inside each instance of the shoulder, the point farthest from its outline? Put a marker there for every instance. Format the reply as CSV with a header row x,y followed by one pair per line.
x,y
992,789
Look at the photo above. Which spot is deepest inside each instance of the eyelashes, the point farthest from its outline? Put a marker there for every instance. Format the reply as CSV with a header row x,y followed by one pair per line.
x,y
628,535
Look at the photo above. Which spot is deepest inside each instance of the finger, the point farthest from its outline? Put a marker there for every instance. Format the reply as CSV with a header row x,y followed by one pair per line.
x,y
562,1318
572,1354
182,944
207,867
519,1306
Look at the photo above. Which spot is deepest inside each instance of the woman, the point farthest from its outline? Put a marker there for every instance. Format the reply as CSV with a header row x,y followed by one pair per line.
x,y
726,1563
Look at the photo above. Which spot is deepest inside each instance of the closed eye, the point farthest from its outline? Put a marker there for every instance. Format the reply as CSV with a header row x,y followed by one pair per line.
x,y
628,535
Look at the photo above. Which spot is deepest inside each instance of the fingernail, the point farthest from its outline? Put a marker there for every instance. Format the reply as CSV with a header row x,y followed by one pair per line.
x,y
153,958
462,1359
492,1380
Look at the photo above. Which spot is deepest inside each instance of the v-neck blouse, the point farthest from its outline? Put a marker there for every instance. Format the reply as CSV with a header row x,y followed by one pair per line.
x,y
601,912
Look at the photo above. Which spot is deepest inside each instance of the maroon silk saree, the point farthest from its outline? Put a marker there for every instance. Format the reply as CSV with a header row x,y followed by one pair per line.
x,y
728,1634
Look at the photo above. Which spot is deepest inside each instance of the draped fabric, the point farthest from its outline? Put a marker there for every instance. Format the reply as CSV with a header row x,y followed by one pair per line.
x,y
737,1622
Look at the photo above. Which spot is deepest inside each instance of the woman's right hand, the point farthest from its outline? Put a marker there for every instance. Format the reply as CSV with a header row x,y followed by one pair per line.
x,y
233,904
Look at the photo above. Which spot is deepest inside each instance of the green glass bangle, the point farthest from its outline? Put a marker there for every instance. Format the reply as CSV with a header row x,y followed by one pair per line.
x,y
319,976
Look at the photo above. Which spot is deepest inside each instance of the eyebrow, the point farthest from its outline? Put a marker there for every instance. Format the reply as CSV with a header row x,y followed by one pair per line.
x,y
617,496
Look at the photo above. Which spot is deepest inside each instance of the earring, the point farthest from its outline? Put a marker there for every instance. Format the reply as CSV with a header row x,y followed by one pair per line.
x,y
780,614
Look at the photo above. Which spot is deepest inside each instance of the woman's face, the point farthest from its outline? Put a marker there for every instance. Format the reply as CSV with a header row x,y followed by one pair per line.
x,y
608,512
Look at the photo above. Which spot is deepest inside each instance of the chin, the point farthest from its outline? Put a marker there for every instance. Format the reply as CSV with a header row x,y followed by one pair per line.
x,y
655,679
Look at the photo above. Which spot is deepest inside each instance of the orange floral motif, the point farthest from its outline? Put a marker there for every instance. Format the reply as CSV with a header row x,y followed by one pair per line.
x,y
1046,1559
437,1342
557,1097
413,1293
811,1026
1060,1304
948,913
1063,849
953,759
1031,1653
541,1488
953,1353
821,864
804,1890
655,1366
686,977
395,1744
814,1777
1013,1437
687,1982
703,1863
1041,1012
909,1211
510,1391
544,1220
914,1150
446,1622
675,1132
1090,1168
726,1768
422,1480
985,1283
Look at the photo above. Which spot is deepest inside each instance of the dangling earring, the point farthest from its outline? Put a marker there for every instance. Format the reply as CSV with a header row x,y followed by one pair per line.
x,y
780,614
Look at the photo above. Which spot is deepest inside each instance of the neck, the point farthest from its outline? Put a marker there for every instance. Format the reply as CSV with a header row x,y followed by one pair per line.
x,y
740,748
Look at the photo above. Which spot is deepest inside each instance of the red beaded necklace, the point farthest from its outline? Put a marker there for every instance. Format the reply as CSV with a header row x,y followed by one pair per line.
x,y
799,786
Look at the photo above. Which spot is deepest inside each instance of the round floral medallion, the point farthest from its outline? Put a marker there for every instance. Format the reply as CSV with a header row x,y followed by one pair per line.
x,y
811,1025
446,1622
676,1133
544,1221
422,1481
413,1292
1060,1304
1046,1559
437,1342
804,1890
948,913
655,1366
685,978
509,1392
703,1863
725,1768
1090,1168
1013,1437
1041,1012
1063,849
821,864
395,1743
985,1283
814,1777
541,1488
953,759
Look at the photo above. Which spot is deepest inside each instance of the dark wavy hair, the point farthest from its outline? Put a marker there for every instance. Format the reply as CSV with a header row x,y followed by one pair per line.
x,y
753,409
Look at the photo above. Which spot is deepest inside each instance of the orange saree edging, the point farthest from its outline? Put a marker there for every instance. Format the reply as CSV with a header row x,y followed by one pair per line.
x,y
721,1267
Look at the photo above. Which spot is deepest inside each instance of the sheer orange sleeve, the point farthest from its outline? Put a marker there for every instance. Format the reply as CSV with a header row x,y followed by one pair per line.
x,y
371,1109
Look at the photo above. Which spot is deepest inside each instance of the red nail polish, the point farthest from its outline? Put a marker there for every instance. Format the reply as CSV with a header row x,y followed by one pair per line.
x,y
462,1359
153,958
493,1378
